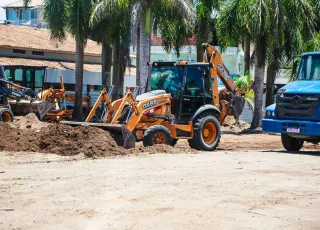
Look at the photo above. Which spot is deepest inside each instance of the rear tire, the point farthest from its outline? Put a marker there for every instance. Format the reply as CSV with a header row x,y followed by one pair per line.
x,y
290,143
157,134
207,133
6,115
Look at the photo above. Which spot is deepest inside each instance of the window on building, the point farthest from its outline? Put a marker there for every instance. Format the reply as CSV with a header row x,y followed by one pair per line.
x,y
39,53
68,87
39,78
25,14
11,15
18,76
7,73
97,88
34,14
18,51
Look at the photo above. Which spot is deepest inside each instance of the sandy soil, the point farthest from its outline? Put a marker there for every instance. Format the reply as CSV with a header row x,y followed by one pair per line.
x,y
221,190
91,183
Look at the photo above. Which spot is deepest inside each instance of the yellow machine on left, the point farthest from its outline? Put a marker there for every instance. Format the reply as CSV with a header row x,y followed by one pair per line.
x,y
48,104
51,107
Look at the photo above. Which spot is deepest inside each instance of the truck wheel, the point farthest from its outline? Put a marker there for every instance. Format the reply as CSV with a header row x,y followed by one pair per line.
x,y
6,115
290,143
207,133
157,134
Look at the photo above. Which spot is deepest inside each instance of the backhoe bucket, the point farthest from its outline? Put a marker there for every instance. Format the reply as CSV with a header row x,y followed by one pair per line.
x,y
238,103
120,133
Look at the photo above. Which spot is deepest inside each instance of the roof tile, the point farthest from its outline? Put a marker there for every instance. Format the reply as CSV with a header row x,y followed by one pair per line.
x,y
40,39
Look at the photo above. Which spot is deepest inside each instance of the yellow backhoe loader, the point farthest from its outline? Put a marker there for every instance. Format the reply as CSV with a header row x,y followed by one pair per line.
x,y
51,107
184,103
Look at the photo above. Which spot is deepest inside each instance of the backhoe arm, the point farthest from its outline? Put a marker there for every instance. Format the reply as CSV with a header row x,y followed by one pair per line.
x,y
218,69
234,106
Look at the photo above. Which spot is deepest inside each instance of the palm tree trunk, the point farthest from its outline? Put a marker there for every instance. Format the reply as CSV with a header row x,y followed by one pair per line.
x,y
138,59
203,36
124,54
258,85
144,53
247,55
116,70
106,65
271,73
78,112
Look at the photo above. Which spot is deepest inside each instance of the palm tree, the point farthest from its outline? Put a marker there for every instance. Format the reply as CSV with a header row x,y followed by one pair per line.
x,y
110,24
251,18
149,10
292,24
207,12
233,26
175,29
71,16
274,27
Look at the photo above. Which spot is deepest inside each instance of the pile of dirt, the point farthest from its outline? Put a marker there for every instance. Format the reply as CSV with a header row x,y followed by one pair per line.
x,y
60,139
29,121
67,140
230,125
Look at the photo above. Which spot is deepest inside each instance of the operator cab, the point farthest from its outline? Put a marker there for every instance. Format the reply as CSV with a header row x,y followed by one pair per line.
x,y
189,85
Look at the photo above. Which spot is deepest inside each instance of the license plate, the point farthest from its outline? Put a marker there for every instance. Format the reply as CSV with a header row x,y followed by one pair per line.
x,y
293,130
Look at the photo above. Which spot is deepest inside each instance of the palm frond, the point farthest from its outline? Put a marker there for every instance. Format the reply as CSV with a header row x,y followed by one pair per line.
x,y
175,20
56,15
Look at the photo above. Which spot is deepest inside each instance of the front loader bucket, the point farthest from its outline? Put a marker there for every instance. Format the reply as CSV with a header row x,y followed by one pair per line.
x,y
120,133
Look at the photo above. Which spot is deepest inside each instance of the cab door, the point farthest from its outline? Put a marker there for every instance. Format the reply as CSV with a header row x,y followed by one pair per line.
x,y
197,90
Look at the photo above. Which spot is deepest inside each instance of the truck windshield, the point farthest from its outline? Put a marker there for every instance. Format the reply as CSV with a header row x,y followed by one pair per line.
x,y
309,68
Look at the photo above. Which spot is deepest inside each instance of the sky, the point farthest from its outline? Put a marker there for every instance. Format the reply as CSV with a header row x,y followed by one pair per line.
x,y
2,12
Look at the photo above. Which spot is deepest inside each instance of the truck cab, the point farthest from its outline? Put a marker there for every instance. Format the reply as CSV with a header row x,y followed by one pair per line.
x,y
296,113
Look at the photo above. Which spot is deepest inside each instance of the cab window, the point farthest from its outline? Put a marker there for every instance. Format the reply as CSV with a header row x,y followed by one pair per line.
x,y
168,78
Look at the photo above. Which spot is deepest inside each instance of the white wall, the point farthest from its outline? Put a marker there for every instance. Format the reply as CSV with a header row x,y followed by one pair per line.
x,y
89,78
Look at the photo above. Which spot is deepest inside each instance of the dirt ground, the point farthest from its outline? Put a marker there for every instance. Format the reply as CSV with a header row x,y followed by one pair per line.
x,y
83,180
220,190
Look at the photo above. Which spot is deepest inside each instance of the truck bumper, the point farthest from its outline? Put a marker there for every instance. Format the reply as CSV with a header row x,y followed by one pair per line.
x,y
307,128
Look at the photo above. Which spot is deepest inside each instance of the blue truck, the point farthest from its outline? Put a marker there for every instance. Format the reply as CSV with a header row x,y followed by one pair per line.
x,y
296,113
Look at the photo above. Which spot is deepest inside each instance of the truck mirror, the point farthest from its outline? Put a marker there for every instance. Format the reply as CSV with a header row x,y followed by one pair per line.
x,y
294,67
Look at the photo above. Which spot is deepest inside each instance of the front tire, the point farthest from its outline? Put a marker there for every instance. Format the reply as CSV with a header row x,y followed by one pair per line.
x,y
207,133
6,116
290,143
157,134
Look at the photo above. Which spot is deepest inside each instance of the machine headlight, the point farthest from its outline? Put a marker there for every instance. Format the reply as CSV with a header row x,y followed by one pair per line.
x,y
268,113
273,114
